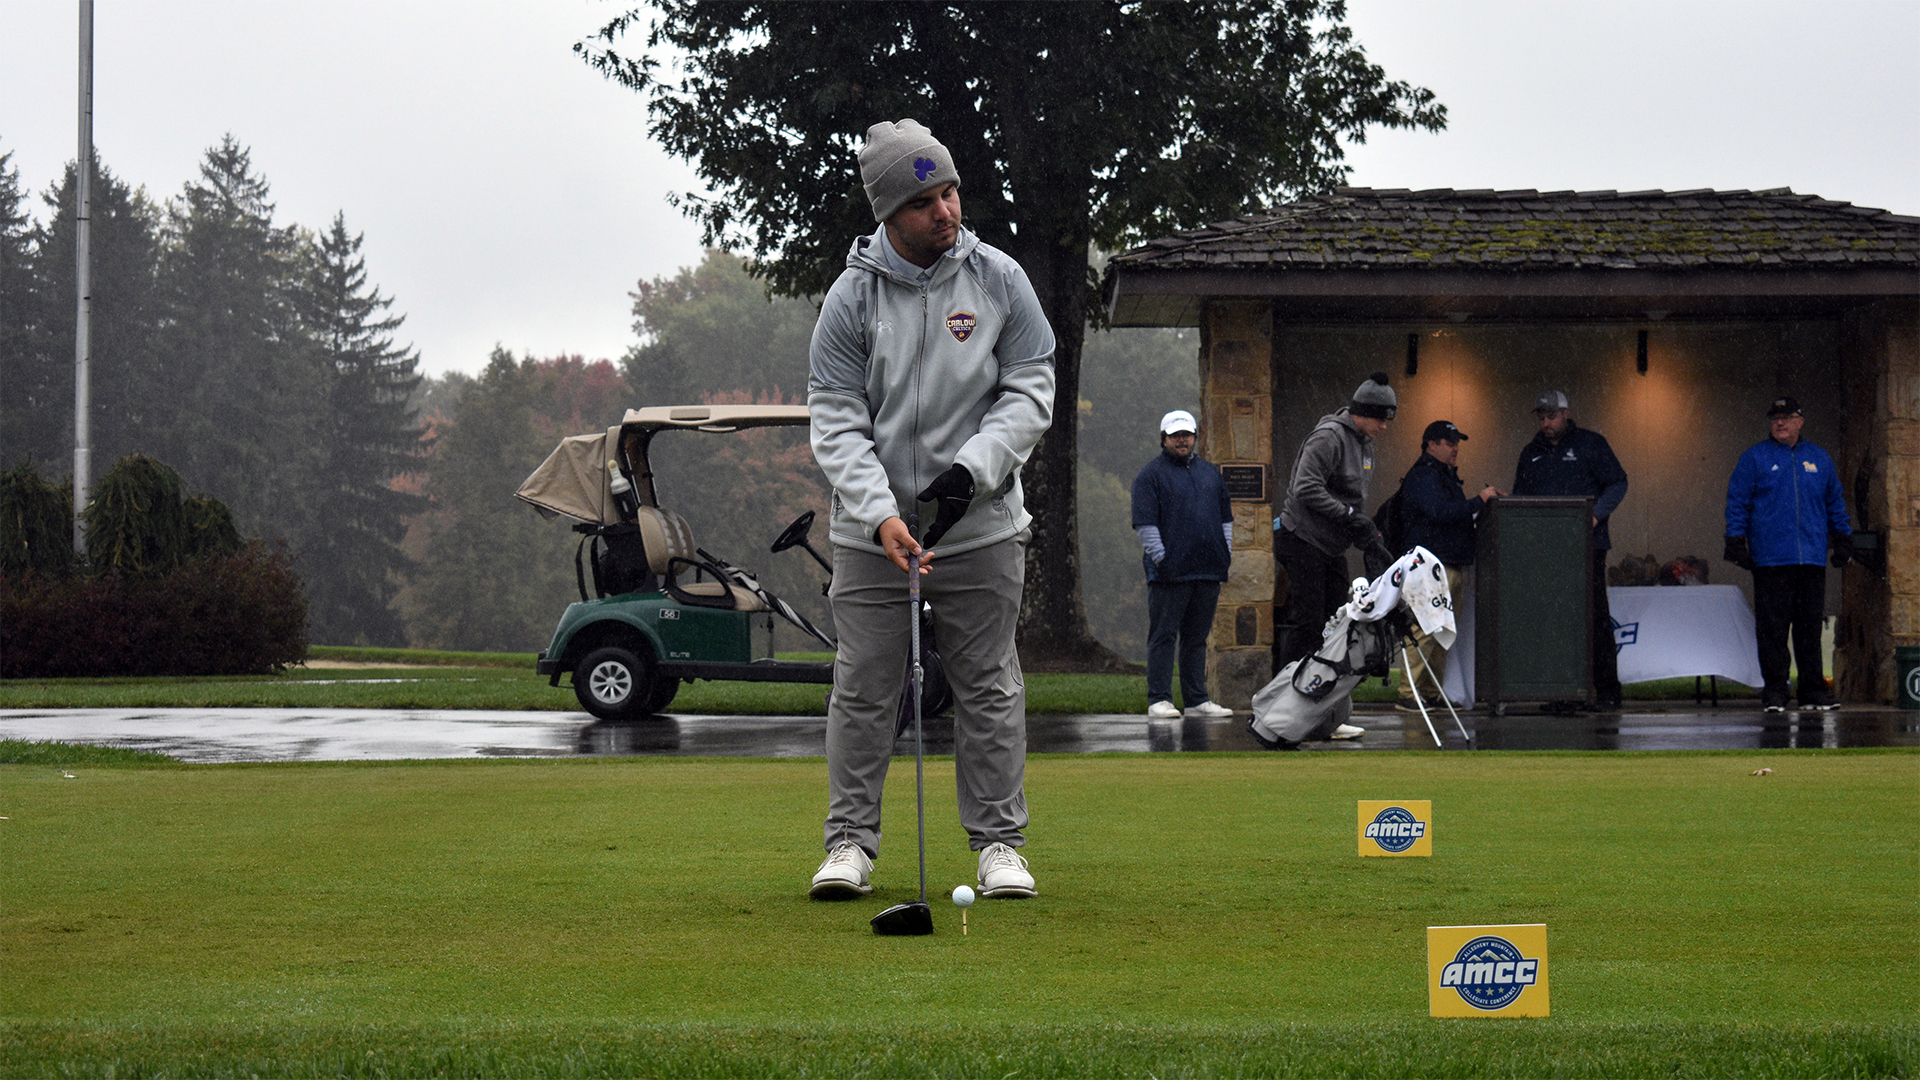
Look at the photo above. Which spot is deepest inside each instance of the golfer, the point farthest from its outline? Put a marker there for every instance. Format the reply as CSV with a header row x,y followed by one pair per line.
x,y
1784,506
1322,517
931,381
1185,522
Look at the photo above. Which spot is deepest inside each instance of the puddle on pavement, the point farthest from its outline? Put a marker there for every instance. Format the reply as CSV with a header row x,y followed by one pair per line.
x,y
217,735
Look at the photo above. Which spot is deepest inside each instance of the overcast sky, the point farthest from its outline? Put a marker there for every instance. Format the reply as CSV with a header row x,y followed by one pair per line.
x,y
509,195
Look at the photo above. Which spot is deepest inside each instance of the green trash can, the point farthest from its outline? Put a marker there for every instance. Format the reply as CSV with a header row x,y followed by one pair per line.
x,y
1906,668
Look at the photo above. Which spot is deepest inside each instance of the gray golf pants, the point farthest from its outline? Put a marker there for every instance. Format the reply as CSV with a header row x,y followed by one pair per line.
x,y
975,597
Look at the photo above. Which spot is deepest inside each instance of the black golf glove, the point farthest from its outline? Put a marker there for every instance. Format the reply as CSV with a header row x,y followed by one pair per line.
x,y
1738,553
953,491
1360,529
1843,552
1375,557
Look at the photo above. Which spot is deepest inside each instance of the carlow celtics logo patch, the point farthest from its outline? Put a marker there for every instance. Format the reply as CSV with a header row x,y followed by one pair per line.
x,y
960,324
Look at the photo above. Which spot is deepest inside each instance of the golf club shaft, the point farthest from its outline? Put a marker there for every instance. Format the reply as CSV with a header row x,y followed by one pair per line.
x,y
919,745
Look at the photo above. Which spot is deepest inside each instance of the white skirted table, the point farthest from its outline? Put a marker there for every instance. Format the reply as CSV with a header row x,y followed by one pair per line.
x,y
1659,632
1671,631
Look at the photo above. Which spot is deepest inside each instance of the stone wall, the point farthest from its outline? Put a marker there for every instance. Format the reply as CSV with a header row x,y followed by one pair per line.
x,y
1880,464
1236,424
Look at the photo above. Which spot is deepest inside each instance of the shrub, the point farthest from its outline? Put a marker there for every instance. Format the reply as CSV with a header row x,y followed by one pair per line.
x,y
218,614
36,524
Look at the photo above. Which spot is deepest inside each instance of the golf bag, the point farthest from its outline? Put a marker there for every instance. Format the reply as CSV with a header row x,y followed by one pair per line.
x,y
1362,638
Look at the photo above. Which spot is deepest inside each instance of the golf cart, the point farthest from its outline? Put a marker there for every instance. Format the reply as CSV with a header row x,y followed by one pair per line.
x,y
663,610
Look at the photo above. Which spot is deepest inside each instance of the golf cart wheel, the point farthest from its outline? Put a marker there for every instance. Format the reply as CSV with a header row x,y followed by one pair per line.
x,y
613,683
662,693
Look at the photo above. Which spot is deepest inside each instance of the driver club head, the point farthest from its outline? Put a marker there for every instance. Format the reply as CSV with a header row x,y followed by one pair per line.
x,y
905,920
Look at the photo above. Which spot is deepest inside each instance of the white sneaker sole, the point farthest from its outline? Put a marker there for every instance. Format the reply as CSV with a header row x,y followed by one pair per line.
x,y
837,890
1010,892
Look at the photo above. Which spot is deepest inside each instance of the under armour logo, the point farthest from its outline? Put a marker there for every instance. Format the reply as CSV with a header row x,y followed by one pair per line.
x,y
923,168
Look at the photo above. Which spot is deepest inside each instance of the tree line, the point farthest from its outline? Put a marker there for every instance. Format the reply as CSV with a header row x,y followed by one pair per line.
x,y
255,358
251,356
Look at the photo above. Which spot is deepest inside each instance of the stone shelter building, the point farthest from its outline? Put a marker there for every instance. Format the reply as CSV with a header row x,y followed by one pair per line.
x,y
1670,318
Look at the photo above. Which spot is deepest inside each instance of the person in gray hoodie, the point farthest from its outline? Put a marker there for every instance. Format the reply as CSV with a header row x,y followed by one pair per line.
x,y
930,383
1322,517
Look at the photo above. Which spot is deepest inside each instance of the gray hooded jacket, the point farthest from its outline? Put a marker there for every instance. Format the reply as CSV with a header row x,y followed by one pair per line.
x,y
909,377
1330,480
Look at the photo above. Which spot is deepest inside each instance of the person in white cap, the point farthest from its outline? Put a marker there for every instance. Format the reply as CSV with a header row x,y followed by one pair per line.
x,y
1185,521
930,383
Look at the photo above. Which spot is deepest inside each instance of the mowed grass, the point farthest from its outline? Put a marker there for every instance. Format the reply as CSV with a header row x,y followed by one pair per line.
x,y
1200,915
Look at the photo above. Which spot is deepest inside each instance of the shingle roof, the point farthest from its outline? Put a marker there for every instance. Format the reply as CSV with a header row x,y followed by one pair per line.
x,y
1396,228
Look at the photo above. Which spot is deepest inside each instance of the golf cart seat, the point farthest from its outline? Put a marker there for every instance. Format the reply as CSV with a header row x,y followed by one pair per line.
x,y
668,542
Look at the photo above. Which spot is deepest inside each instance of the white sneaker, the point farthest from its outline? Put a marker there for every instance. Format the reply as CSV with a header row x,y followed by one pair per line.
x,y
1347,731
1162,710
843,875
1209,708
1003,873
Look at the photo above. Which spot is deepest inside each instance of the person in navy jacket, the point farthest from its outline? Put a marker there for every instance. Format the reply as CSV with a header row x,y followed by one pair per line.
x,y
1185,522
1784,507
1440,518
1567,459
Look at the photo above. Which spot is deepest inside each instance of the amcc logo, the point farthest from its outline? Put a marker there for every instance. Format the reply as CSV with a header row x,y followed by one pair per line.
x,y
1395,829
1489,973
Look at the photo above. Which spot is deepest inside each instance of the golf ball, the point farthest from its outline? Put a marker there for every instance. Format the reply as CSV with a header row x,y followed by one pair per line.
x,y
962,895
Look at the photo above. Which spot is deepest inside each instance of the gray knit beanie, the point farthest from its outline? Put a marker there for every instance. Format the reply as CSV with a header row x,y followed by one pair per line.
x,y
1374,398
900,161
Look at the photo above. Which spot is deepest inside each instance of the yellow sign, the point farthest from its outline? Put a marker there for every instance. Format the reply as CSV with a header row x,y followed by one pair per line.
x,y
1396,828
1487,970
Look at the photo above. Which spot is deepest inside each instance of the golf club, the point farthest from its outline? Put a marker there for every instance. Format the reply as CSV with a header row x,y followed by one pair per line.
x,y
914,917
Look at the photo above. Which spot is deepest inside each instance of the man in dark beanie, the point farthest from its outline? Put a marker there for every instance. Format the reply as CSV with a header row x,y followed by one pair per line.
x,y
1322,517
1567,459
1785,506
930,383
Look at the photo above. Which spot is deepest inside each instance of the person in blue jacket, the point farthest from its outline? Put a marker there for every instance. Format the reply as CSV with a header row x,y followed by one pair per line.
x,y
1440,518
1784,507
1569,460
1185,522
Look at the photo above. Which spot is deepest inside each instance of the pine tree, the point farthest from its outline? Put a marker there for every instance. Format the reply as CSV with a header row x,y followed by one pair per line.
x,y
125,401
28,415
245,392
352,560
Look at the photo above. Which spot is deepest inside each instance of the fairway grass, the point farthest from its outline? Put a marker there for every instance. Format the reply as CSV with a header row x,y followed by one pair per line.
x,y
1199,915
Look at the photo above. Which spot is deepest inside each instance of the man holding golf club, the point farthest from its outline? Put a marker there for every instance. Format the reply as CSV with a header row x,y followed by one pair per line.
x,y
931,381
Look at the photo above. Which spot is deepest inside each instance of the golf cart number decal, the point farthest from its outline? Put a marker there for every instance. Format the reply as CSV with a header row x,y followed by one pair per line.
x,y
1489,972
667,613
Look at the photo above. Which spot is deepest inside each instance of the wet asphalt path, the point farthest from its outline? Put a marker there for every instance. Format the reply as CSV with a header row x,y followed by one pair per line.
x,y
225,735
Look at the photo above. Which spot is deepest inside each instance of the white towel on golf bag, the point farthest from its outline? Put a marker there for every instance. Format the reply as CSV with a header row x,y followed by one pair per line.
x,y
1418,581
1317,692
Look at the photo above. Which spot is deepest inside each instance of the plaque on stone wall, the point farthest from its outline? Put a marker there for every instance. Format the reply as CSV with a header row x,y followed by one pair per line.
x,y
1245,483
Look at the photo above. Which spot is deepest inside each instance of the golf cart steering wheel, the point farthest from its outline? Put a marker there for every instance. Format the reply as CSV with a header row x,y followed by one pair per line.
x,y
795,534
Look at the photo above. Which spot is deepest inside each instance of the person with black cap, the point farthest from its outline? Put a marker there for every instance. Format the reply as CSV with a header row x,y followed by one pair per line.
x,y
1440,518
1569,460
1185,521
1785,508
930,383
1322,517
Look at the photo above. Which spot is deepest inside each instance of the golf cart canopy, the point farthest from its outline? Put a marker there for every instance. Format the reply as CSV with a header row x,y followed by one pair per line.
x,y
576,480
